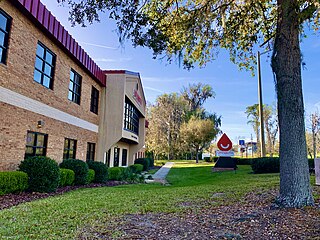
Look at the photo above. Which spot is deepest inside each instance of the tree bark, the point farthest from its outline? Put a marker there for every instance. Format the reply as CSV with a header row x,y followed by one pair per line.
x,y
295,190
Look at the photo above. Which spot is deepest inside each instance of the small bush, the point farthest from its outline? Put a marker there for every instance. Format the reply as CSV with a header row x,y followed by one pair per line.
x,y
12,182
67,177
91,175
101,171
114,173
125,173
43,173
265,165
143,161
80,169
151,162
136,168
207,159
243,161
215,158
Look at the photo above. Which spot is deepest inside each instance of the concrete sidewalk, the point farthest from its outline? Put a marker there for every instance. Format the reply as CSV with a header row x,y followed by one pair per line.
x,y
160,175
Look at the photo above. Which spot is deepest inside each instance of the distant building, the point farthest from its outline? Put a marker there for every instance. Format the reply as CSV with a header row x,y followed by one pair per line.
x,y
55,101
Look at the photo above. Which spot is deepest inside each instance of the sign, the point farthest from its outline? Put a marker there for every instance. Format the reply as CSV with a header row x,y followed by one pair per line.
x,y
224,153
242,142
317,170
137,97
224,143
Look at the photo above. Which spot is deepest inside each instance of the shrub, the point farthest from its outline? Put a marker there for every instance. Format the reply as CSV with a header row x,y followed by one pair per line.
x,y
207,159
66,177
126,173
243,161
143,161
265,165
43,173
215,158
114,173
91,175
101,171
12,182
80,169
136,168
151,162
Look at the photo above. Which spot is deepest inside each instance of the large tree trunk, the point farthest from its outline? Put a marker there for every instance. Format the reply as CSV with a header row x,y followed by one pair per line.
x,y
295,190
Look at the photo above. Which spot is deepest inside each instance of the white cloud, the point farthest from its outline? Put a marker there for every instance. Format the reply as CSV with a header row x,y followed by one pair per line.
x,y
112,59
153,89
98,45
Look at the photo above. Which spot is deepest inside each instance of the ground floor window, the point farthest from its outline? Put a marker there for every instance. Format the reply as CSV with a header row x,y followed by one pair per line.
x,y
108,154
124,157
91,149
70,146
116,157
36,144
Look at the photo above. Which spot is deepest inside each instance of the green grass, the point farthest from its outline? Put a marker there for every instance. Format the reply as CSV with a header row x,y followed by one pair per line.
x,y
63,217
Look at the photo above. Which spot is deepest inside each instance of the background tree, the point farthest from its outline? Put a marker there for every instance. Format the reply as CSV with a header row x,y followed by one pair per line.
x,y
271,125
197,134
193,31
313,136
254,120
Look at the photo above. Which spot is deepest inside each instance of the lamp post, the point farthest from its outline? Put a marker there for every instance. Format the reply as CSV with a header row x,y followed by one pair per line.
x,y
262,140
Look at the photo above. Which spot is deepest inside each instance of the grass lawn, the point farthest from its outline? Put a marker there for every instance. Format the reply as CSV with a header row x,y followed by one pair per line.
x,y
65,216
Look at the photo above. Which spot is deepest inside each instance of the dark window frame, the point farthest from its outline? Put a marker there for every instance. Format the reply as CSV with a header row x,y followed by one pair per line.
x,y
6,32
94,105
124,161
76,87
44,63
131,117
68,149
35,146
91,150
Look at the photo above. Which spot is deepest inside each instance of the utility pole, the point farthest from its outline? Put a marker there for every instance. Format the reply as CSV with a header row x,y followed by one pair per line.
x,y
262,142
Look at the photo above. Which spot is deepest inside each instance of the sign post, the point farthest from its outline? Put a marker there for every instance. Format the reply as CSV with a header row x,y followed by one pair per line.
x,y
225,162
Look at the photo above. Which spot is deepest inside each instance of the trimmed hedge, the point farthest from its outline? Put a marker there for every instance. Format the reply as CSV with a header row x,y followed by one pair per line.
x,y
80,169
151,162
13,182
101,171
265,165
67,177
91,175
243,161
136,168
143,161
114,173
43,173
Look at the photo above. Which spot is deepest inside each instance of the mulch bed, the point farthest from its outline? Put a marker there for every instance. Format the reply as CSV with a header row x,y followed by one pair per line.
x,y
254,217
10,200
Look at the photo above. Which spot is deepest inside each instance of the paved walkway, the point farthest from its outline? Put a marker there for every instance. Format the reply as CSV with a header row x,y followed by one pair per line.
x,y
160,175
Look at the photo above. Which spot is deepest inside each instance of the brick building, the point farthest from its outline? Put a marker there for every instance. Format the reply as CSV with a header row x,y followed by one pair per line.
x,y
55,100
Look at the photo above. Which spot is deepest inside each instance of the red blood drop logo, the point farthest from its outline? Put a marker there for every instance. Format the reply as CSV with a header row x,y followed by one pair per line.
x,y
224,143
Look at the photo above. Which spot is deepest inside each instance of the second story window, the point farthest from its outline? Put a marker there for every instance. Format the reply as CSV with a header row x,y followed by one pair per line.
x,y
75,87
44,66
94,100
131,117
5,22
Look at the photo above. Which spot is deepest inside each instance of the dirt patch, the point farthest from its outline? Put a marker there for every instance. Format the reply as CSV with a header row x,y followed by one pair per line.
x,y
10,200
251,218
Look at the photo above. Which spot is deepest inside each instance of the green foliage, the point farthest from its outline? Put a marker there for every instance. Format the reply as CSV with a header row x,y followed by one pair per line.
x,y
91,175
43,173
207,159
13,182
114,173
80,169
136,168
151,161
143,161
265,165
101,171
243,161
67,177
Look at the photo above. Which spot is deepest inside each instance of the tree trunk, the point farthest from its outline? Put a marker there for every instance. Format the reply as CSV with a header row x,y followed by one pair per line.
x,y
295,190
197,156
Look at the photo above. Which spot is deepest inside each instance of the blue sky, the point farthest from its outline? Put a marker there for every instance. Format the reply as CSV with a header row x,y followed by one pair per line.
x,y
235,90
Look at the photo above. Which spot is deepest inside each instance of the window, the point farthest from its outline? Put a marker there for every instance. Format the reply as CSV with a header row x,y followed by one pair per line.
x,y
124,157
36,144
108,155
131,117
70,147
91,148
94,100
116,157
5,23
75,87
44,66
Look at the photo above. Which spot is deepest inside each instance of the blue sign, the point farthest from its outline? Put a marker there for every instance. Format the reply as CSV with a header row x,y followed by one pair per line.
x,y
241,142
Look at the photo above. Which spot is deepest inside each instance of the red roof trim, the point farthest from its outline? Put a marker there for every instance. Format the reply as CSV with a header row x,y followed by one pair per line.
x,y
49,22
